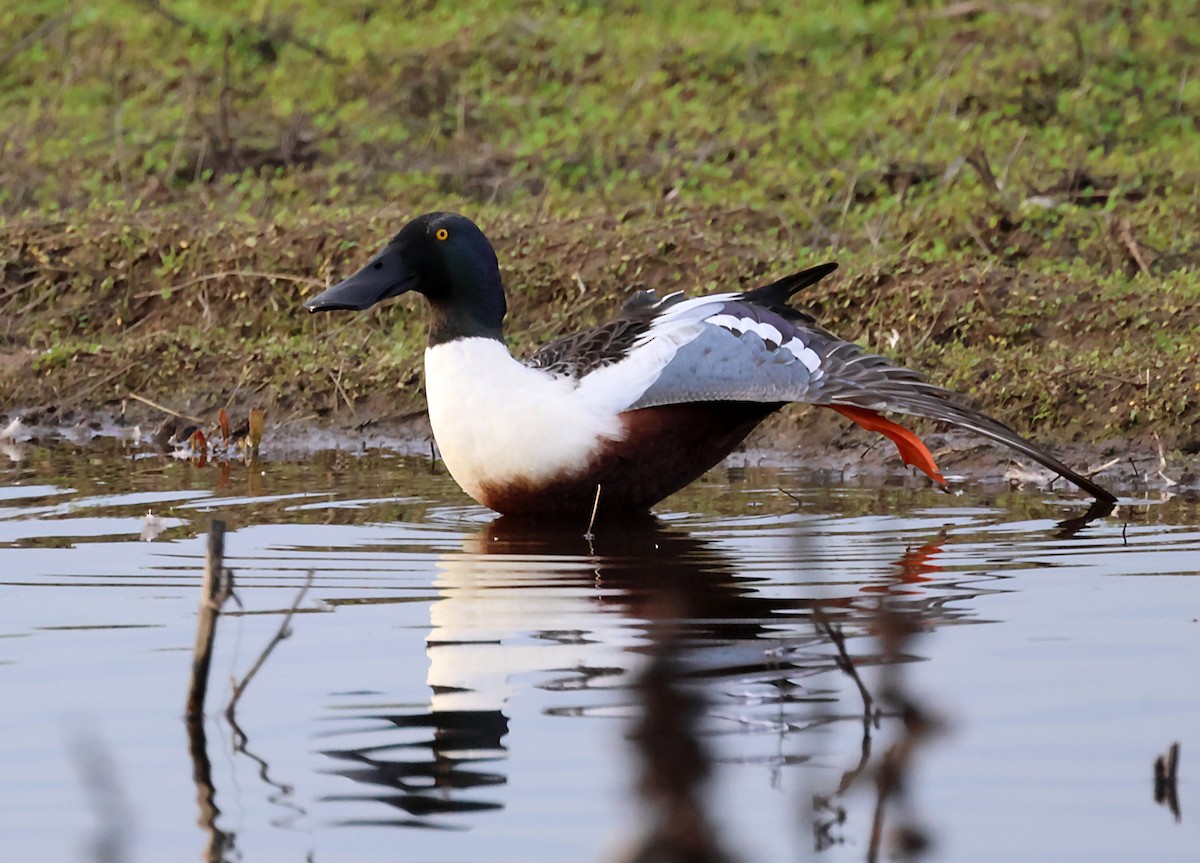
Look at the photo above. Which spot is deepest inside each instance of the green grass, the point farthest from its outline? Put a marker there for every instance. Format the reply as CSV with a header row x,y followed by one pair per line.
x,y
1014,194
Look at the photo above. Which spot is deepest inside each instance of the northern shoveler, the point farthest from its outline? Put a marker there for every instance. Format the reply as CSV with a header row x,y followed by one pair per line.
x,y
629,412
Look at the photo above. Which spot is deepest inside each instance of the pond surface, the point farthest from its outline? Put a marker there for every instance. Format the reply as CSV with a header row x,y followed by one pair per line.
x,y
827,673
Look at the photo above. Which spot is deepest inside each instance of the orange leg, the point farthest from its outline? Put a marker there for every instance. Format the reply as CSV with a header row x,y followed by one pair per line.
x,y
911,449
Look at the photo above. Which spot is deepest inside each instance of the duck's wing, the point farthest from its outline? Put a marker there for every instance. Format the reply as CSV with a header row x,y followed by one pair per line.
x,y
586,351
581,353
752,347
777,294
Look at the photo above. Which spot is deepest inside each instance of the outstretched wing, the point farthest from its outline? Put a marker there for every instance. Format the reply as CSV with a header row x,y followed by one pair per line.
x,y
753,347
745,351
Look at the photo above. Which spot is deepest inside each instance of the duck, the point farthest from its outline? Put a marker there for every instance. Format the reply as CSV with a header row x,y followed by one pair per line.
x,y
615,418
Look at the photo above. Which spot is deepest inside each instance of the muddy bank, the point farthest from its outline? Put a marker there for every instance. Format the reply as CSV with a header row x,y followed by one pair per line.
x,y
800,438
99,321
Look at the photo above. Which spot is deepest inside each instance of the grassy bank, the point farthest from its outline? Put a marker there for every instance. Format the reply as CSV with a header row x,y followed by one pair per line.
x,y
1013,190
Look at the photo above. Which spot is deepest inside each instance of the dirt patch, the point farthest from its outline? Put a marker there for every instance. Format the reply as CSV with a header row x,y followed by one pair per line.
x,y
203,316
804,438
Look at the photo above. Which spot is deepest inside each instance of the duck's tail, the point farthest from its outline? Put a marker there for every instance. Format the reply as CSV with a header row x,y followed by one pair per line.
x,y
914,401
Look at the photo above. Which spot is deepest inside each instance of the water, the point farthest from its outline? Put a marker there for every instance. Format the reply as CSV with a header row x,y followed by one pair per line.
x,y
458,688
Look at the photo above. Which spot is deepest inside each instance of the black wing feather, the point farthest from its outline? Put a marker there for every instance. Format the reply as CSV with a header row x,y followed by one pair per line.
x,y
587,350
865,380
778,293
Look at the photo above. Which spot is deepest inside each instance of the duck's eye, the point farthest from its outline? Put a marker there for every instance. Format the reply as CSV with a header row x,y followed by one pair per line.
x,y
442,233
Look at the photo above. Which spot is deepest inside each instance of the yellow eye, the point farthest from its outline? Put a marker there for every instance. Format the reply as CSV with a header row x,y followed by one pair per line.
x,y
442,233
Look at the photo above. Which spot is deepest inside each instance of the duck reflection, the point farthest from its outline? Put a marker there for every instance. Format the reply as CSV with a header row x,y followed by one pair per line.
x,y
434,776
526,606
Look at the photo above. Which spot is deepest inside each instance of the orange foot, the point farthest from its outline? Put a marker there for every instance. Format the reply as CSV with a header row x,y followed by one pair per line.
x,y
911,449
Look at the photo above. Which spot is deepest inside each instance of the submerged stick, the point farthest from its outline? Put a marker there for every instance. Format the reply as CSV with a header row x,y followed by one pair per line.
x,y
284,632
592,521
843,660
1166,786
213,592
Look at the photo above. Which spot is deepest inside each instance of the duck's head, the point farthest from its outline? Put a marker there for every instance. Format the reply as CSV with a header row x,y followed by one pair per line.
x,y
443,256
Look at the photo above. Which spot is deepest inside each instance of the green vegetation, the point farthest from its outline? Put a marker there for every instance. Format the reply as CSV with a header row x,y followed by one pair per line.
x,y
1013,190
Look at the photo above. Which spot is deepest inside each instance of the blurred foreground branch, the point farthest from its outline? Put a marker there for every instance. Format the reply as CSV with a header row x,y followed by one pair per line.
x,y
214,590
1166,785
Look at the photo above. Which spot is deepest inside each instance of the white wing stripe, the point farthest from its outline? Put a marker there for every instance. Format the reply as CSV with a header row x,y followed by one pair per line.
x,y
770,334
804,354
729,322
765,331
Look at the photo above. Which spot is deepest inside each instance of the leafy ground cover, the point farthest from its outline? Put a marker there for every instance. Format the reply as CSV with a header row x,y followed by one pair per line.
x,y
1012,189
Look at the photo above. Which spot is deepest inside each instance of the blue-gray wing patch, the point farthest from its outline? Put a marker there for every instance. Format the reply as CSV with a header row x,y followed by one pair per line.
x,y
742,353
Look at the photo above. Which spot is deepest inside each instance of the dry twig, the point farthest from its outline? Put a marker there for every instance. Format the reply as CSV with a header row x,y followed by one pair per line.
x,y
1125,235
166,410
283,632
1166,785
592,521
214,590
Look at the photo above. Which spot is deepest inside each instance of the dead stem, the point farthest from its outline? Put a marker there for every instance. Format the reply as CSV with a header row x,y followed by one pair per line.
x,y
214,590
843,660
782,490
233,274
971,8
283,632
165,410
1166,788
1125,235
341,390
592,521
95,385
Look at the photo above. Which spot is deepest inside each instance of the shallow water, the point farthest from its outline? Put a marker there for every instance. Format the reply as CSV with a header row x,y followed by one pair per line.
x,y
458,688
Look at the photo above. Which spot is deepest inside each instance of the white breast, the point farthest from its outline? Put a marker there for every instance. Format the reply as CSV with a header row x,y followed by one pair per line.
x,y
497,421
